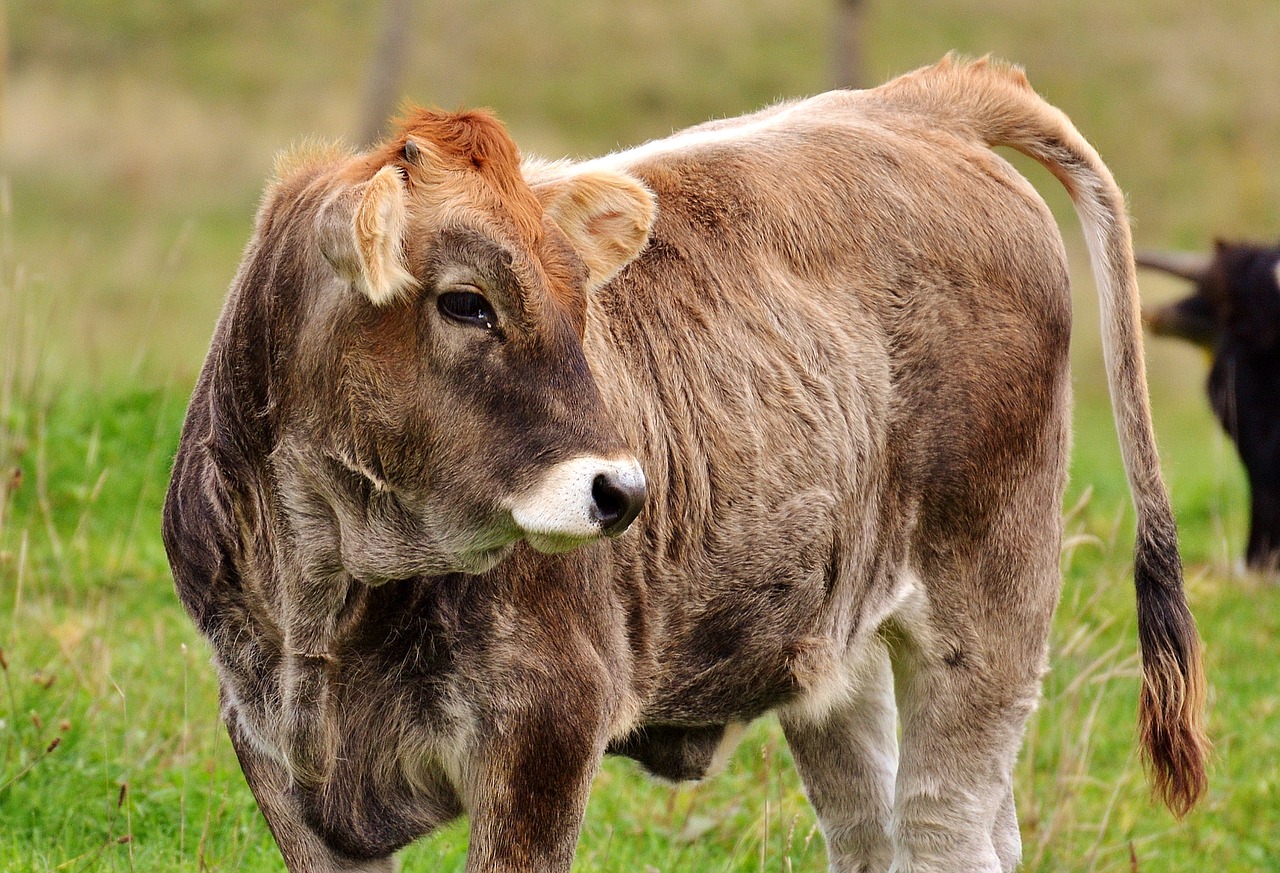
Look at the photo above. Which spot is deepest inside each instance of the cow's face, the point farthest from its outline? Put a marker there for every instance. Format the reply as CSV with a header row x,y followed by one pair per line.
x,y
448,409
1242,285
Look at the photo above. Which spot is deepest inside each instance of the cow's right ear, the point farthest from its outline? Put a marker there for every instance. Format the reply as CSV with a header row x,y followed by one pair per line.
x,y
361,232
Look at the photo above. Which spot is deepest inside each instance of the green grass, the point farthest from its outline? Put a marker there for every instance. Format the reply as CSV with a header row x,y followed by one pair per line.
x,y
100,656
135,140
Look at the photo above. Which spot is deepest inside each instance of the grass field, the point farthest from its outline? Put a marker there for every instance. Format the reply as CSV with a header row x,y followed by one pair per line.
x,y
135,139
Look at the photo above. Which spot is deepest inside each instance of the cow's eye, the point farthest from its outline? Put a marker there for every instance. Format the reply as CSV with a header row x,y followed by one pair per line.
x,y
467,307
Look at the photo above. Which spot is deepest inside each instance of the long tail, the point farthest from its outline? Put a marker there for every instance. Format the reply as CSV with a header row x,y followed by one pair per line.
x,y
997,104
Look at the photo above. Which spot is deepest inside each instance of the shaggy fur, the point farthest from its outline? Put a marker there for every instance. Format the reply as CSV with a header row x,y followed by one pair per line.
x,y
840,359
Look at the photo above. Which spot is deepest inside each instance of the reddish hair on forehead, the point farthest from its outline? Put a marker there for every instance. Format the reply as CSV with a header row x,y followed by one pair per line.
x,y
470,141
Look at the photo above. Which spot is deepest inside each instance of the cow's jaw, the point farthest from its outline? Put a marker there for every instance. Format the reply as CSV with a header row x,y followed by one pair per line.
x,y
482,560
578,501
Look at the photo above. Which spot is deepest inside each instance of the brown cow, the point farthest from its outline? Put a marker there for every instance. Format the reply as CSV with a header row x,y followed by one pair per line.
x,y
827,343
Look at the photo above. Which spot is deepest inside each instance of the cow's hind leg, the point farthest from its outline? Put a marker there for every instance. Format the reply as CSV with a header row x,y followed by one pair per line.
x,y
968,665
847,756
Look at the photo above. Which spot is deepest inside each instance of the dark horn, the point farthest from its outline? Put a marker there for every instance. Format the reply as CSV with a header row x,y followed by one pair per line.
x,y
1187,265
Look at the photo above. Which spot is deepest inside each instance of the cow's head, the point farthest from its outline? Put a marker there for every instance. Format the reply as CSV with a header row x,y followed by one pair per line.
x,y
1234,313
1236,297
440,403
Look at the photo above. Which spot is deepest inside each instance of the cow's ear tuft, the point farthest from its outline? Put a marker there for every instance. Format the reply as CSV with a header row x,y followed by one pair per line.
x,y
606,216
361,231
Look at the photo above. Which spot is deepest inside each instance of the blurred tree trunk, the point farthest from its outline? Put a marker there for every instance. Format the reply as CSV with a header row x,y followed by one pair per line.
x,y
847,55
4,61
387,68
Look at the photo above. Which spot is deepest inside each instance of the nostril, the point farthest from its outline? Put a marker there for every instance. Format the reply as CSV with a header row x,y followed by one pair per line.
x,y
616,502
610,501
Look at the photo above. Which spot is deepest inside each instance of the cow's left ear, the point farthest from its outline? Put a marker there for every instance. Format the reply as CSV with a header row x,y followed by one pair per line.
x,y
361,234
606,216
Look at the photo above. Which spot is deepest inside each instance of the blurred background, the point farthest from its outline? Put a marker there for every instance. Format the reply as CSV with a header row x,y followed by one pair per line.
x,y
136,135
134,141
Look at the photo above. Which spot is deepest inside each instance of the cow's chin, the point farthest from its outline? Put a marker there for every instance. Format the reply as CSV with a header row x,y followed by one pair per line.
x,y
472,563
556,544
482,560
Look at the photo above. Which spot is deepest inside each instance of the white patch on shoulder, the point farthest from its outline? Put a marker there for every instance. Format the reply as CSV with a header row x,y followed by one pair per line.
x,y
1277,272
247,729
453,749
830,690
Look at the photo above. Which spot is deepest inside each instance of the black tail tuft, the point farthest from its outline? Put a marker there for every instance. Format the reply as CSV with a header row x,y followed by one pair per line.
x,y
1173,688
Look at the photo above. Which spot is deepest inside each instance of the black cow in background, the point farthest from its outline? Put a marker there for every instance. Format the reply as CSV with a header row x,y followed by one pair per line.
x,y
1234,312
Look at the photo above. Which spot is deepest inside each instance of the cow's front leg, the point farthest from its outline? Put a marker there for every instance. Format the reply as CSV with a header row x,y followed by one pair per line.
x,y
529,781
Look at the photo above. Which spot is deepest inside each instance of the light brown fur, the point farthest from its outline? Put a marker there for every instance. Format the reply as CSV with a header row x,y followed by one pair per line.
x,y
840,359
